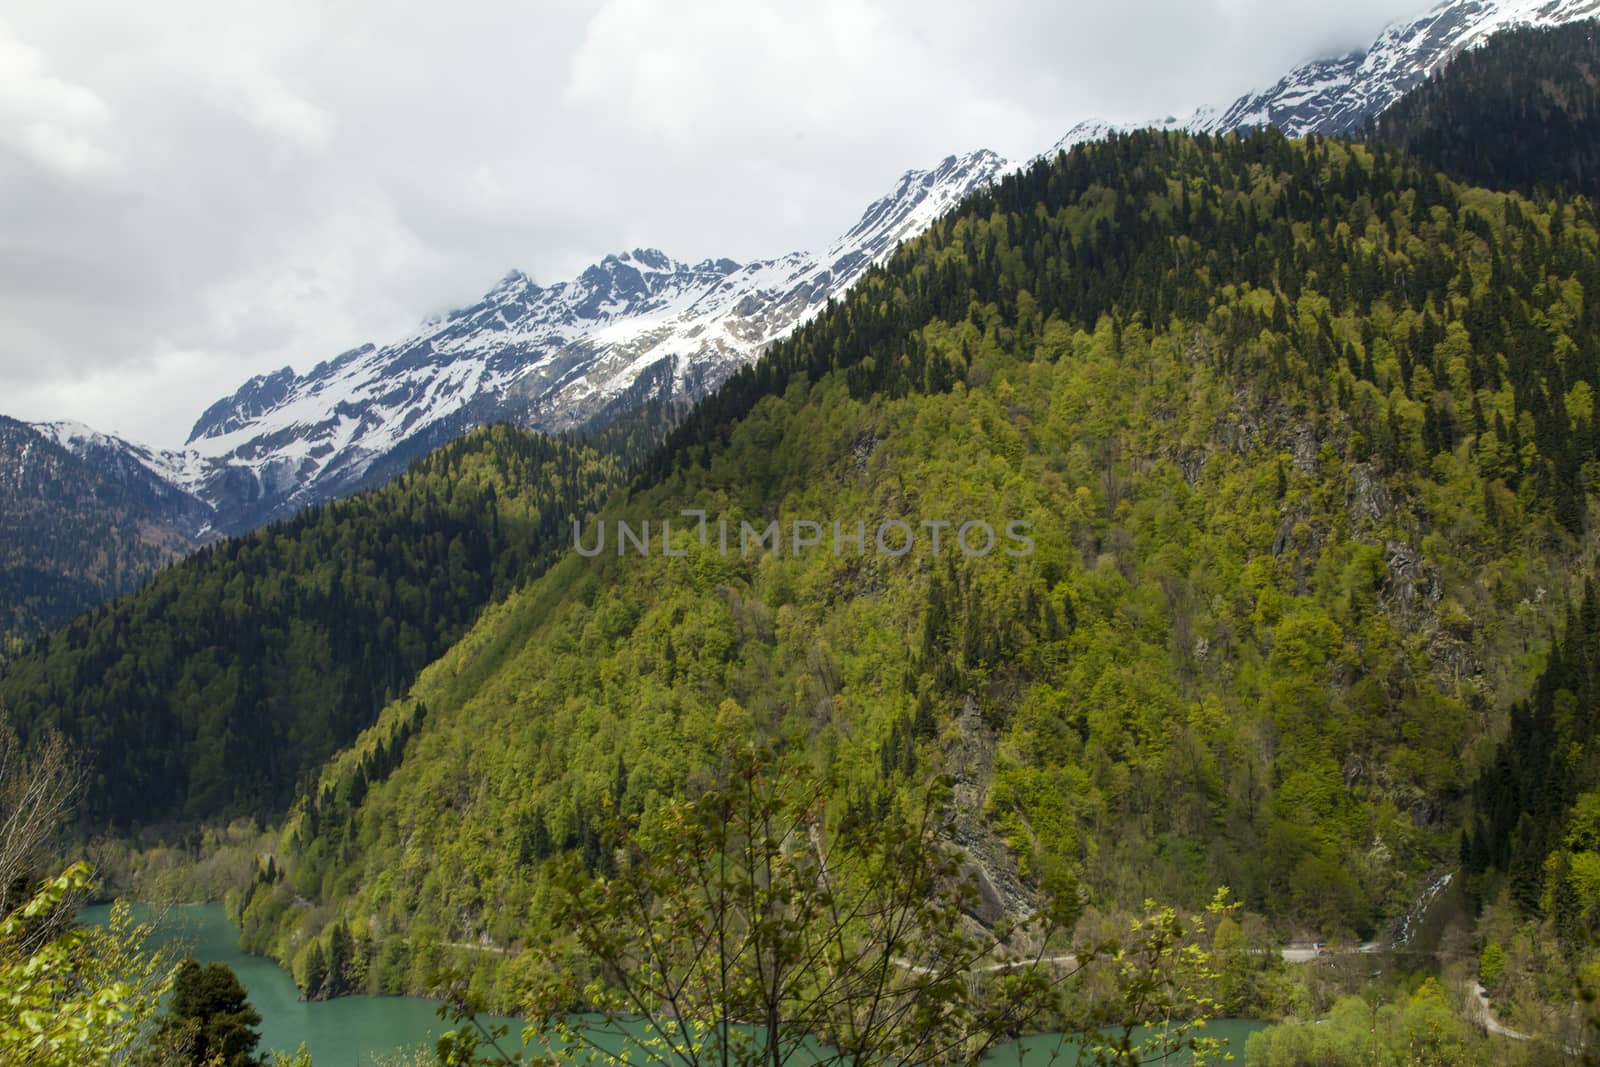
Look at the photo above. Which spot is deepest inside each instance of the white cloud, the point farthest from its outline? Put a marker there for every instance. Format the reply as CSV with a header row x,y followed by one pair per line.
x,y
53,122
277,109
242,75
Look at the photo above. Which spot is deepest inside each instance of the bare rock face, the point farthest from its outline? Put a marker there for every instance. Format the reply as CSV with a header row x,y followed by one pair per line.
x,y
1354,769
1368,498
986,858
1284,538
1191,463
1413,585
1453,658
1240,429
1303,450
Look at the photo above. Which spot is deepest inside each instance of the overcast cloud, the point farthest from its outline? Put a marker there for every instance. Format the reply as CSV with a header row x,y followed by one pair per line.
x,y
195,192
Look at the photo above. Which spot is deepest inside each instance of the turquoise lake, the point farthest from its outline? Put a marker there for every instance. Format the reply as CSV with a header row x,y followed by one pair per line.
x,y
354,1031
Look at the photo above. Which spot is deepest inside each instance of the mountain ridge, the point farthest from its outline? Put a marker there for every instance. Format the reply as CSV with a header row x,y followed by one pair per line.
x,y
1256,645
550,357
79,526
1337,95
640,324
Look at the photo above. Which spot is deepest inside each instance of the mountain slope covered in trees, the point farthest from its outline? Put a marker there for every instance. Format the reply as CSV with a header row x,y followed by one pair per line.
x,y
1305,436
1521,112
208,693
1531,849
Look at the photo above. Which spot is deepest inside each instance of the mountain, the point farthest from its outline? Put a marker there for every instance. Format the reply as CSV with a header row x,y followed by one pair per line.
x,y
77,529
210,691
641,325
1522,111
1291,500
1335,96
573,353
1304,437
1301,509
636,327
548,357
153,474
638,335
1340,95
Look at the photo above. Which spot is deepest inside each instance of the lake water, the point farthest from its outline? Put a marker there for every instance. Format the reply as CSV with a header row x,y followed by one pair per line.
x,y
352,1031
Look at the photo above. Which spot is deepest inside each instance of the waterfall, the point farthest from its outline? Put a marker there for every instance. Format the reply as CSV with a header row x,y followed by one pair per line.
x,y
1407,927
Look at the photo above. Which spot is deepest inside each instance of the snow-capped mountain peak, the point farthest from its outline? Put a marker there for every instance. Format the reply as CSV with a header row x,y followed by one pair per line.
x,y
163,478
564,354
253,399
1339,95
549,356
1334,96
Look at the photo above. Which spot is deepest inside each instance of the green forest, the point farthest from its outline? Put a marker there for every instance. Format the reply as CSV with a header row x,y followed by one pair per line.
x,y
1522,112
214,690
1303,438
1305,435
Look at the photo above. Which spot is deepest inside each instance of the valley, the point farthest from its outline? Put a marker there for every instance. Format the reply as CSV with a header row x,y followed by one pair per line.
x,y
516,674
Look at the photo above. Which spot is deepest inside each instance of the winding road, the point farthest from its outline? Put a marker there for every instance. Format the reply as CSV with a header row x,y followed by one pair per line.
x,y
1484,1016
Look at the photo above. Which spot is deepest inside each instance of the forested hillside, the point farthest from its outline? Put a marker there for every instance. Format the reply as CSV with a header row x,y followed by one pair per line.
x,y
1534,803
71,537
1305,435
1521,112
211,691
1531,850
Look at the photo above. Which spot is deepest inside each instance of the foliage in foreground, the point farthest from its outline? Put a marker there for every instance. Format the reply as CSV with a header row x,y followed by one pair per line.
x,y
73,995
69,994
740,928
209,1018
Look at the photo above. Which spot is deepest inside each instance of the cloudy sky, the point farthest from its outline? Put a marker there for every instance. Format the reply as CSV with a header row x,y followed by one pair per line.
x,y
194,192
